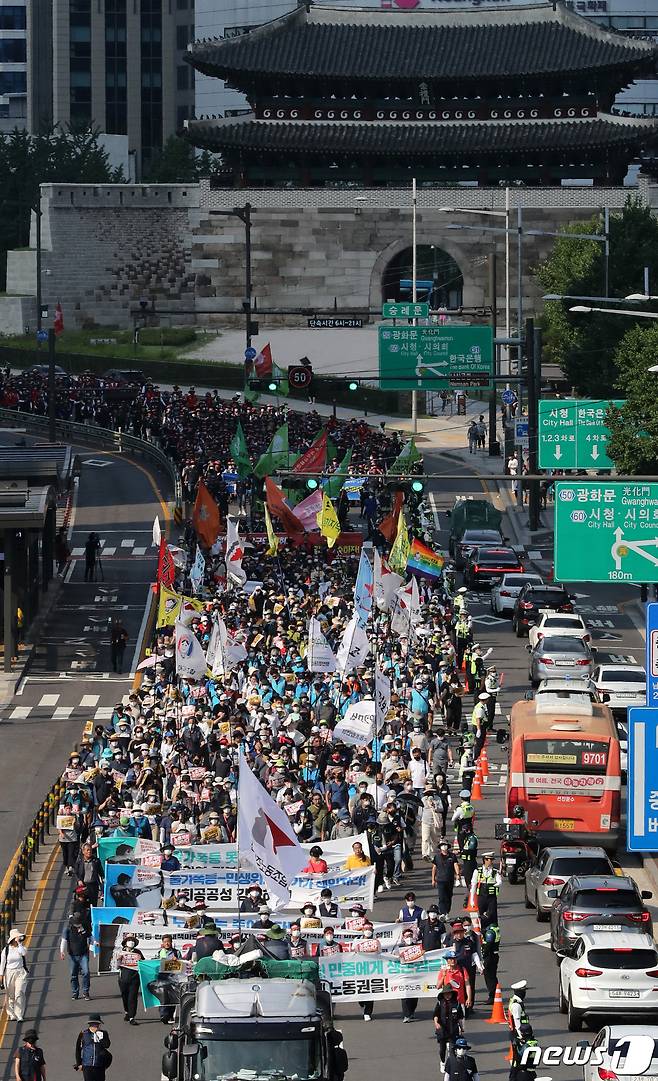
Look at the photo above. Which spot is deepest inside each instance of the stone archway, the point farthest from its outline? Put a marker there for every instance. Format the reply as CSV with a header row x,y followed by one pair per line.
x,y
436,263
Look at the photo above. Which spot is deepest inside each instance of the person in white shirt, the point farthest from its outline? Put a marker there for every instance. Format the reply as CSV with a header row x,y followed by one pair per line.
x,y
417,771
13,974
380,793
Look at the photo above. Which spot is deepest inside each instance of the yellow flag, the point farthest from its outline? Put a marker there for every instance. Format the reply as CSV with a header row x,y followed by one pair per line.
x,y
169,606
328,521
271,535
399,556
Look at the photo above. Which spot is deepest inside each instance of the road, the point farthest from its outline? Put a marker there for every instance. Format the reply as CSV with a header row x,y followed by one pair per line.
x,y
377,1050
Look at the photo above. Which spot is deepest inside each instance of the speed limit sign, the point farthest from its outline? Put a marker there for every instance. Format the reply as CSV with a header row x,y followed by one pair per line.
x,y
299,376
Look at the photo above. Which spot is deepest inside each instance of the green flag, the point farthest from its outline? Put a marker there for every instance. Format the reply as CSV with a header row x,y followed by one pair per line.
x,y
277,455
240,452
332,451
334,484
407,458
281,377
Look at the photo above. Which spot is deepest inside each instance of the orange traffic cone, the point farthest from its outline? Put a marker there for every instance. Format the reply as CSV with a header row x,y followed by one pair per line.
x,y
509,1057
498,1016
471,905
476,789
484,762
455,846
475,920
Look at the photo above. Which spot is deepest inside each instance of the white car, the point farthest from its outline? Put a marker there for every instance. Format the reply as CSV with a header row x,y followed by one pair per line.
x,y
630,1049
558,625
620,685
505,592
611,973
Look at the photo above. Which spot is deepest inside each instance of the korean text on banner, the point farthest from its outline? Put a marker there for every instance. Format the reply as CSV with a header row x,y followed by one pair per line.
x,y
380,977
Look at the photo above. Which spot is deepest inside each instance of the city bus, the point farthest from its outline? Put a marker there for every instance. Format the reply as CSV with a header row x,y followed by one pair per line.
x,y
564,769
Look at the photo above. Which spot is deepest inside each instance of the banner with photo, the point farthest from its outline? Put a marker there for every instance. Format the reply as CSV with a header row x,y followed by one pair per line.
x,y
381,977
150,938
129,850
127,886
166,972
133,850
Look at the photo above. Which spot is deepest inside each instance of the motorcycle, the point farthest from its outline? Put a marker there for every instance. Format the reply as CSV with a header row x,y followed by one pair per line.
x,y
518,850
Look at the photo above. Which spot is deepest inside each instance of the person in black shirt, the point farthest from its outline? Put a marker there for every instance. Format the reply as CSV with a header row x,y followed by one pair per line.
x,y
328,908
448,1018
445,871
29,1063
432,929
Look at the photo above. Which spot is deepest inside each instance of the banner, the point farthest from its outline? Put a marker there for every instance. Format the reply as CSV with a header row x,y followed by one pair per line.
x,y
382,697
132,887
363,590
354,647
307,511
169,605
150,939
357,727
198,570
129,850
235,575
190,658
167,971
381,977
320,656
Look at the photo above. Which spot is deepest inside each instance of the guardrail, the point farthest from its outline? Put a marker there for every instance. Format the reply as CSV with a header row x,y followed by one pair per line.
x,y
17,873
72,432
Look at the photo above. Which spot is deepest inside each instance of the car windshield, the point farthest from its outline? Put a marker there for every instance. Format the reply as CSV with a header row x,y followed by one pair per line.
x,y
574,865
563,645
481,536
623,958
545,599
256,1059
606,897
489,559
623,677
516,580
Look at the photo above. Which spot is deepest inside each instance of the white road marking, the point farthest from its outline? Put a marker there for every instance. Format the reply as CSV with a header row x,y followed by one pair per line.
x,y
128,543
77,552
69,572
90,700
542,940
19,713
49,700
109,551
139,551
62,713
104,713
534,555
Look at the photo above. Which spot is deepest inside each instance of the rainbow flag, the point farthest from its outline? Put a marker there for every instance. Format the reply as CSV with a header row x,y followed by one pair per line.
x,y
422,560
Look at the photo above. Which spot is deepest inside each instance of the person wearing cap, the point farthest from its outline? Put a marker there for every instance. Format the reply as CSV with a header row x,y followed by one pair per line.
x,y
75,946
464,815
516,1009
492,687
521,1070
448,1017
467,955
455,975
297,944
468,857
129,976
459,1065
328,908
309,918
410,911
13,974
487,887
478,722
254,899
463,636
445,872
475,671
29,1061
169,862
263,921
275,943
92,1054
490,949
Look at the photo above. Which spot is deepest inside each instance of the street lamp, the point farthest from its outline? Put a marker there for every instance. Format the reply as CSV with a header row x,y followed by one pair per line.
x,y
572,296
584,309
600,238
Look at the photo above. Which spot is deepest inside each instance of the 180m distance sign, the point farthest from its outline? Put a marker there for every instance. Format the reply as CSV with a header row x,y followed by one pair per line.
x,y
606,532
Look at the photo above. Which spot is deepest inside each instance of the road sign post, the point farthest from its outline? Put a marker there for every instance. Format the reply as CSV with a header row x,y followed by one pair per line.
x,y
642,784
573,434
435,358
521,434
606,532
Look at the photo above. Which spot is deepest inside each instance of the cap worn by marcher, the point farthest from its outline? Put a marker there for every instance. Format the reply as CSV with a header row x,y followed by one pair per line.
x,y
520,985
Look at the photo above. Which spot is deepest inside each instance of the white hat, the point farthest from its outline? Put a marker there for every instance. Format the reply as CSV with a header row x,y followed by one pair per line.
x,y
462,589
520,985
15,933
484,697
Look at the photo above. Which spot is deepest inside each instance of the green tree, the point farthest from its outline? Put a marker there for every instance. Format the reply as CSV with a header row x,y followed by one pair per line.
x,y
633,445
585,346
70,157
178,163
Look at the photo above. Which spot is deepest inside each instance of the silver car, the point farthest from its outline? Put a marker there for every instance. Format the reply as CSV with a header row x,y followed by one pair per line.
x,y
559,655
552,869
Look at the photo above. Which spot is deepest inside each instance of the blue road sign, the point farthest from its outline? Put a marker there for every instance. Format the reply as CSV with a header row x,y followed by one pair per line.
x,y
42,335
652,656
250,353
642,785
508,397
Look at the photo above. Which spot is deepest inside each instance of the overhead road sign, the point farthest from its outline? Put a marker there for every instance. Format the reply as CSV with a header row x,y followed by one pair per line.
x,y
642,783
394,309
435,358
606,532
573,433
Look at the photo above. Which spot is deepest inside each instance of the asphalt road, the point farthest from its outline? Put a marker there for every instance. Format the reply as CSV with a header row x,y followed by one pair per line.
x,y
383,1048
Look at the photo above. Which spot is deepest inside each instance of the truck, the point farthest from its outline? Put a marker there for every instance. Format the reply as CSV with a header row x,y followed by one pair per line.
x,y
469,513
270,1022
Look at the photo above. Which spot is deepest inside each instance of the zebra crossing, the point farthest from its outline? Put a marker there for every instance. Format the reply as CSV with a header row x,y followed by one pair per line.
x,y
129,546
49,704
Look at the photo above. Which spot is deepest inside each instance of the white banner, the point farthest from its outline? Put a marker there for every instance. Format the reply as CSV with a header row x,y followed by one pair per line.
x,y
197,570
385,583
228,652
320,656
234,572
354,647
357,727
190,658
382,697
378,977
222,890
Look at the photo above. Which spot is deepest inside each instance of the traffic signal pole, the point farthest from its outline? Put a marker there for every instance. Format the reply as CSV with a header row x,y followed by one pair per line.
x,y
533,376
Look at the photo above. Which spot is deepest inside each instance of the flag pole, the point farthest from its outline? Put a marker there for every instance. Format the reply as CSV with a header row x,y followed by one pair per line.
x,y
237,842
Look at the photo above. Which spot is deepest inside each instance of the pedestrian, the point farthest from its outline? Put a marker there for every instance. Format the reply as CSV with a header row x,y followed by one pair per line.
x,y
513,471
128,976
89,872
448,1017
408,1005
13,974
431,929
454,975
92,551
482,431
472,436
75,947
461,1066
29,1063
468,854
92,1054
487,887
71,829
445,871
516,1010
490,958
168,952
118,639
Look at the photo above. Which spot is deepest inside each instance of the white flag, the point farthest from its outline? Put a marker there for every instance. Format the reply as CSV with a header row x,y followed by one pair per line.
x,y
198,570
382,697
234,572
354,646
157,535
228,651
213,645
266,839
357,727
319,657
386,582
190,658
406,610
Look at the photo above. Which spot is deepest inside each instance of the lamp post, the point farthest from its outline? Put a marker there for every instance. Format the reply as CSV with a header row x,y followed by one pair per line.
x,y
414,273
243,213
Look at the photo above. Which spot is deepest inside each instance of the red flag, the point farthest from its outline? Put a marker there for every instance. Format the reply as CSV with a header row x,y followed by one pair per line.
x,y
263,363
277,505
58,321
388,526
205,516
166,569
314,459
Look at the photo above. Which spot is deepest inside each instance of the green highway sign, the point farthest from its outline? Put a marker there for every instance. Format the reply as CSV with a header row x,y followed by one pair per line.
x,y
573,434
606,532
403,309
435,358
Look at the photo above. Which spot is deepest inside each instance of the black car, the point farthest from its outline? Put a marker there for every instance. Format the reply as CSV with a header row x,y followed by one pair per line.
x,y
530,602
597,903
130,376
486,565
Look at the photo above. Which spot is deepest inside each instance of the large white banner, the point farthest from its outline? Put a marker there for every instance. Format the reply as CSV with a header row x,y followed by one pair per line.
x,y
190,658
320,656
378,977
213,857
357,727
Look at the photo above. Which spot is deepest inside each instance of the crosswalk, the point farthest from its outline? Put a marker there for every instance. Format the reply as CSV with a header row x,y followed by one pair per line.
x,y
49,704
129,546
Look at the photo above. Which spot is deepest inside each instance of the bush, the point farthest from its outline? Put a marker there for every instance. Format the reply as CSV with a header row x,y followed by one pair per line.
x,y
167,336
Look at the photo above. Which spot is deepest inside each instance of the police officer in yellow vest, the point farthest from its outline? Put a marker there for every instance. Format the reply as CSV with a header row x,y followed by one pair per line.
x,y
487,887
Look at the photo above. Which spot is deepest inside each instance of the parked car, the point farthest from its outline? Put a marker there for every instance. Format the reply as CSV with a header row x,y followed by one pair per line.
x,y
620,686
476,538
554,867
558,624
631,1049
553,656
532,600
598,903
486,565
126,375
42,371
608,973
505,592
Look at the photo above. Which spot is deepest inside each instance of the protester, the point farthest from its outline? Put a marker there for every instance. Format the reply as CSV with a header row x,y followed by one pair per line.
x,y
92,1054
13,974
29,1061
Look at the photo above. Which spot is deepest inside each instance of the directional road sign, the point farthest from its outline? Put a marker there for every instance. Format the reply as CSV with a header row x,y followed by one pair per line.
x,y
652,655
573,434
606,532
42,335
521,434
405,310
434,358
642,784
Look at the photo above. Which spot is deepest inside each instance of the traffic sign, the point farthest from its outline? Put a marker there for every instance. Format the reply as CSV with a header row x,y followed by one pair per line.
x,y
606,532
405,310
250,353
42,335
652,655
434,358
299,376
573,434
642,783
508,397
521,434
334,322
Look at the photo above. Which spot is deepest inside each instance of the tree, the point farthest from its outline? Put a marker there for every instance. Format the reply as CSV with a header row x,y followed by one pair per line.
x,y
585,346
178,163
26,161
633,445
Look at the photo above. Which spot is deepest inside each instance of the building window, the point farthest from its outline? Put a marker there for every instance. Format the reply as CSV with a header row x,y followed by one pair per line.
x,y
182,38
151,65
12,18
13,82
12,51
80,62
181,5
182,77
116,68
182,114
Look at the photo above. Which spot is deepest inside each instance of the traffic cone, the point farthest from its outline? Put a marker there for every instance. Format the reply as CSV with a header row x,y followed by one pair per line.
x,y
455,846
498,1016
476,788
484,762
475,920
509,1057
471,906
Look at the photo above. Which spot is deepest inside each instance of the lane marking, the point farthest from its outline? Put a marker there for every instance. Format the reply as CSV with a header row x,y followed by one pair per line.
x,y
49,700
90,700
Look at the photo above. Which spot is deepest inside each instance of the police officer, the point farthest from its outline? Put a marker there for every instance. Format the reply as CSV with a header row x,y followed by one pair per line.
x,y
464,815
445,870
516,1010
462,637
479,718
520,1070
487,888
492,687
461,1066
490,957
468,854
475,671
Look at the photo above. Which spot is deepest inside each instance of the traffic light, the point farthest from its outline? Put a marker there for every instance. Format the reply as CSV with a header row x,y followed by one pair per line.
x,y
311,484
264,385
353,384
417,486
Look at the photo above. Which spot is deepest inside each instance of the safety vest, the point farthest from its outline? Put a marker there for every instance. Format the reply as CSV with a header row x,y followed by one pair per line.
x,y
487,884
461,630
468,811
469,847
523,1019
478,715
492,935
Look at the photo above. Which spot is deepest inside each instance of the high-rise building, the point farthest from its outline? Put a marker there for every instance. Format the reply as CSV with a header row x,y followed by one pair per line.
x,y
13,65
